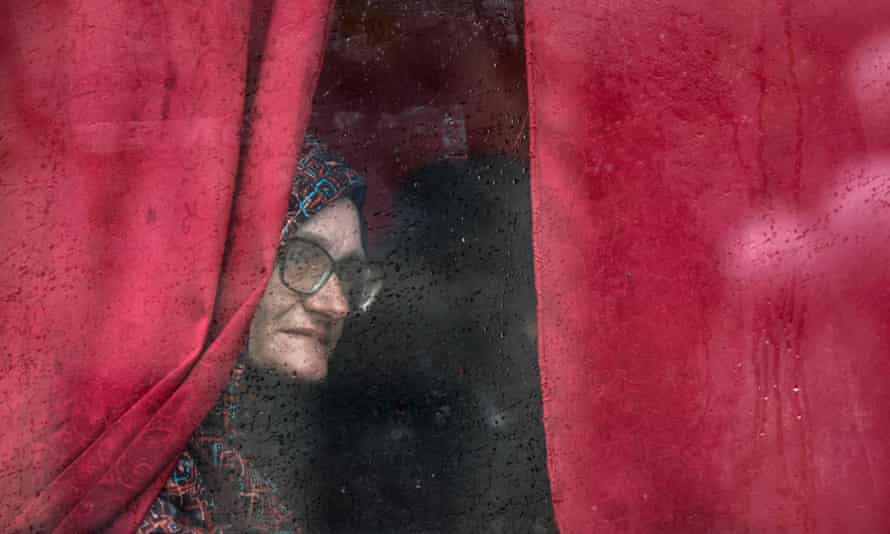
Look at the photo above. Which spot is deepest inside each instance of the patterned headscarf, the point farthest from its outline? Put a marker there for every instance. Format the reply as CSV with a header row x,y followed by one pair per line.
x,y
321,179
251,502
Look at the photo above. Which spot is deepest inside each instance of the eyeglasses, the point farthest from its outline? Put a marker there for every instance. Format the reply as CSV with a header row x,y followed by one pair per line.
x,y
306,267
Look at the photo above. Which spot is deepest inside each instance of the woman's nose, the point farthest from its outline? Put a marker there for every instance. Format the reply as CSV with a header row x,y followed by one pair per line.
x,y
330,300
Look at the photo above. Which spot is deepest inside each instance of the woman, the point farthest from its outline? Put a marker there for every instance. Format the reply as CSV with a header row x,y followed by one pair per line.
x,y
320,277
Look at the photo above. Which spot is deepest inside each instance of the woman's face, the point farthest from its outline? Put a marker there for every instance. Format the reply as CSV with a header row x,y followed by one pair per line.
x,y
295,334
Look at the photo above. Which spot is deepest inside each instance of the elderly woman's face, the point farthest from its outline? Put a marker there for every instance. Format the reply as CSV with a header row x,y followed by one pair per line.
x,y
293,333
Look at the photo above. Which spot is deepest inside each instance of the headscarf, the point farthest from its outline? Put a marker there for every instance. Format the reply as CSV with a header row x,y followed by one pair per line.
x,y
320,180
242,499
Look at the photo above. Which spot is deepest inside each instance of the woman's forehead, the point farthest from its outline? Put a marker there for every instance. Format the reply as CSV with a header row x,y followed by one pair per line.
x,y
336,228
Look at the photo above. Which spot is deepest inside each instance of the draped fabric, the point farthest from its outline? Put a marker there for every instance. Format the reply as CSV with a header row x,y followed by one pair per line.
x,y
711,193
146,155
214,487
711,198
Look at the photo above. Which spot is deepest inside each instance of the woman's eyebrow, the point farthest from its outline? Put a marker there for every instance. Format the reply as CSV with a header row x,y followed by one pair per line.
x,y
323,242
318,239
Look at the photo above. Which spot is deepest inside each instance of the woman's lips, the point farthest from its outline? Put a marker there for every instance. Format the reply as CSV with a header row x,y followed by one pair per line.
x,y
308,332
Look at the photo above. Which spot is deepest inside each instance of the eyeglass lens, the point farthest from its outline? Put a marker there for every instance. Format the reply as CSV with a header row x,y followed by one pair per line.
x,y
307,268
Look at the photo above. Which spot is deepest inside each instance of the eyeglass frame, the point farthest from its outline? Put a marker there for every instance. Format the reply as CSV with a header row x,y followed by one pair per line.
x,y
282,252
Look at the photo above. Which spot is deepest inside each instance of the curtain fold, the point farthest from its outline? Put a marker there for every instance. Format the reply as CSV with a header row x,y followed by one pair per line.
x,y
141,215
711,203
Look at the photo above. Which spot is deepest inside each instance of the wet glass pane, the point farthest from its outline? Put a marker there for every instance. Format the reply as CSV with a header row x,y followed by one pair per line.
x,y
460,266
430,417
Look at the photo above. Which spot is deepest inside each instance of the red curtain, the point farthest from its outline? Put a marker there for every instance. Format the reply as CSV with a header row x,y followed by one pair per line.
x,y
711,191
140,219
711,184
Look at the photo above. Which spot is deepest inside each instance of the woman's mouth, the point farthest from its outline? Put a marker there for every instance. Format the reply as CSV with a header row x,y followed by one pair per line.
x,y
319,335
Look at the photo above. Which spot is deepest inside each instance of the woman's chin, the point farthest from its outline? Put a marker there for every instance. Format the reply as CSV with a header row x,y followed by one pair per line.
x,y
315,371
305,360
301,358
